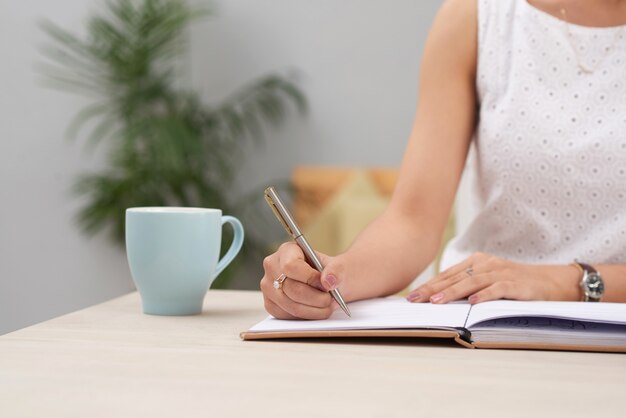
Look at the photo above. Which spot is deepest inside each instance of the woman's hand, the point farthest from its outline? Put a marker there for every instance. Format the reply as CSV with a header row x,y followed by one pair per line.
x,y
483,277
303,294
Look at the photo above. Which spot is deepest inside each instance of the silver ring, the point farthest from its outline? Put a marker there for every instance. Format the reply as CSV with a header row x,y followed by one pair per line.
x,y
469,271
278,282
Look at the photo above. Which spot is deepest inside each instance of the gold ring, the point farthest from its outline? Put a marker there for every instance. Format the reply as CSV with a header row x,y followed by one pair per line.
x,y
278,282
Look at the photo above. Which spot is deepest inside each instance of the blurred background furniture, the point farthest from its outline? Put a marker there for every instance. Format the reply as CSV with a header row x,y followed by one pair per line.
x,y
315,186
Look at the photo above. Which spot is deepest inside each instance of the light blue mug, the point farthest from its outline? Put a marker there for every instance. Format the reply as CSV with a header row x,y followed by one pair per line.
x,y
173,255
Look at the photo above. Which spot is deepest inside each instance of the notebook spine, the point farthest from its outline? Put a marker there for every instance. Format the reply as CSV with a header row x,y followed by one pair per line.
x,y
465,334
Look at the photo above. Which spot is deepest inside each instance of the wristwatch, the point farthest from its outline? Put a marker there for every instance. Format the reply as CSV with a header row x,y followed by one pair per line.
x,y
591,284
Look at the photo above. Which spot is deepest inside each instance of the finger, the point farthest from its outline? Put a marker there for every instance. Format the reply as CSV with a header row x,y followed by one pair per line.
x,y
274,310
286,305
425,291
464,288
270,267
295,309
477,262
301,311
305,294
457,268
333,274
505,289
293,264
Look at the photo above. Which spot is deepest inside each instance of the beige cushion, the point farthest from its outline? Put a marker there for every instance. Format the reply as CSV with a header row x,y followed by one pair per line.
x,y
349,211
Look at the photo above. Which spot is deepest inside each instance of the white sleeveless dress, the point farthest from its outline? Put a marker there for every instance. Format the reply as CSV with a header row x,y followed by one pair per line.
x,y
551,140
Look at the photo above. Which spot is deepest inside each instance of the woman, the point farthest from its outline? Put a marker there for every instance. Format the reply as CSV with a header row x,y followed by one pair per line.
x,y
540,87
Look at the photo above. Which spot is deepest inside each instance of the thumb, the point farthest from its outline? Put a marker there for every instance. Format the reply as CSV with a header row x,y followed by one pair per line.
x,y
332,274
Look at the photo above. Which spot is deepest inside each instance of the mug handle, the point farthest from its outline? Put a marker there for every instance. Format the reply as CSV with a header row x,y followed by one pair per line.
x,y
235,246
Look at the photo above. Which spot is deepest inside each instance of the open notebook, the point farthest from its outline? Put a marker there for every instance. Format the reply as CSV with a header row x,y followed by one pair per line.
x,y
498,324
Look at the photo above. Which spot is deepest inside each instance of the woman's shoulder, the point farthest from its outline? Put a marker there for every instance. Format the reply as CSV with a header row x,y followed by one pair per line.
x,y
459,11
454,31
469,11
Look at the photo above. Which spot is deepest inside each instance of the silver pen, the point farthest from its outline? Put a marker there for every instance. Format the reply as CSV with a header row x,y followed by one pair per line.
x,y
285,218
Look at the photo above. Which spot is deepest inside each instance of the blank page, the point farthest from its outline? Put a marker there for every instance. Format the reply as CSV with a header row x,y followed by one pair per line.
x,y
381,313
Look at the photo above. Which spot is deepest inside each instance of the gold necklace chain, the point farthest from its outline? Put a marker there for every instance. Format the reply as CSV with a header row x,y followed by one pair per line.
x,y
571,40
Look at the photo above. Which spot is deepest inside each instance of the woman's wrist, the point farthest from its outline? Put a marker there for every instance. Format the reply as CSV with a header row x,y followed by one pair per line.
x,y
566,280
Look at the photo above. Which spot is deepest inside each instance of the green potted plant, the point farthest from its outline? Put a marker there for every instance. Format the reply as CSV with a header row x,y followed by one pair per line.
x,y
165,146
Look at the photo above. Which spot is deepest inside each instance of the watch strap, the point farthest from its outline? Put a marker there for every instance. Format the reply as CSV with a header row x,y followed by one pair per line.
x,y
587,267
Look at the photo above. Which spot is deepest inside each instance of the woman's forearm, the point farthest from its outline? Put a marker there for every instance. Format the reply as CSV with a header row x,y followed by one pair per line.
x,y
387,256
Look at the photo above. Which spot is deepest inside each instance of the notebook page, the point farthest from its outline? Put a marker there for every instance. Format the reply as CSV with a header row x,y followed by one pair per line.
x,y
610,313
380,313
549,331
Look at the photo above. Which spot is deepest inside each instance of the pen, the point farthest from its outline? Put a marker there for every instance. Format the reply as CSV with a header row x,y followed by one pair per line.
x,y
285,218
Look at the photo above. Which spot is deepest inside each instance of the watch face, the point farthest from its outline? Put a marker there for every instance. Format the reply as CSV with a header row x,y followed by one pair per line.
x,y
594,287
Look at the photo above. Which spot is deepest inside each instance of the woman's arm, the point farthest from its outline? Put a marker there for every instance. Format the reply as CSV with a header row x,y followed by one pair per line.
x,y
398,245
401,243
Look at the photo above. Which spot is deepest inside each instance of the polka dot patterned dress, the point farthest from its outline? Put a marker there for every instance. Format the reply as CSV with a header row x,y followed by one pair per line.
x,y
551,139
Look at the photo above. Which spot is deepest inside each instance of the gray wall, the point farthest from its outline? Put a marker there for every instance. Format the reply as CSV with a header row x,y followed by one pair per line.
x,y
359,65
359,62
47,267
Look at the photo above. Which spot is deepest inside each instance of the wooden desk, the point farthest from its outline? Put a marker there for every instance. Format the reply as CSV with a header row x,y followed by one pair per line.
x,y
111,360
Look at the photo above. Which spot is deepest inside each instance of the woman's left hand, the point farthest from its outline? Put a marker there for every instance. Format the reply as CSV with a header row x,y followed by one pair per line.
x,y
483,277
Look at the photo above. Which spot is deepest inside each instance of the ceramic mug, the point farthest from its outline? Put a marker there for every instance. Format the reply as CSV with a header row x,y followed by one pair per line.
x,y
173,255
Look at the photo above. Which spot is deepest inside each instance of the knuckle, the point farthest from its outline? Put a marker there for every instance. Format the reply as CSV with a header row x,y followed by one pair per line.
x,y
290,267
496,262
267,262
266,285
479,255
286,246
488,262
